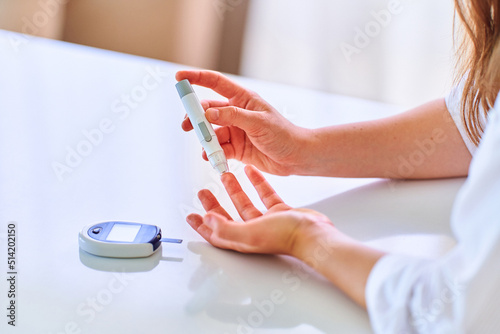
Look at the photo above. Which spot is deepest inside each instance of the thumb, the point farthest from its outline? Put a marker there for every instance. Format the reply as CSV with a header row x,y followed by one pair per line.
x,y
246,120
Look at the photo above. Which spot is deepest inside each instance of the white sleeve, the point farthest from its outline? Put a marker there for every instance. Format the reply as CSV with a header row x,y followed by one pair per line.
x,y
460,292
453,101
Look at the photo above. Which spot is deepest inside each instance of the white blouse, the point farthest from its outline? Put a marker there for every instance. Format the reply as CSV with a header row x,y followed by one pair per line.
x,y
459,292
453,104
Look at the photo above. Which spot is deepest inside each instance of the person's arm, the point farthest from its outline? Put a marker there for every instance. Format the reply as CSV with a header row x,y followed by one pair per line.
x,y
421,143
302,233
453,294
459,292
345,262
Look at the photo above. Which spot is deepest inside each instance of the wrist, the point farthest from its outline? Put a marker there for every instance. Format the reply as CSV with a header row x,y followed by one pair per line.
x,y
318,247
306,146
344,261
314,235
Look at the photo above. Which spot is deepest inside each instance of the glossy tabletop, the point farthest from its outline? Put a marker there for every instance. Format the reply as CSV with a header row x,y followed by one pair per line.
x,y
88,135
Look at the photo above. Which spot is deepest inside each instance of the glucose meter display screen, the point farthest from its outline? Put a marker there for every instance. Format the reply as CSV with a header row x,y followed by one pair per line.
x,y
123,232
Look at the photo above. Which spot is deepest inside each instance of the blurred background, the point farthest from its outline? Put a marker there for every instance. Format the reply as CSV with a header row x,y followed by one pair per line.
x,y
394,51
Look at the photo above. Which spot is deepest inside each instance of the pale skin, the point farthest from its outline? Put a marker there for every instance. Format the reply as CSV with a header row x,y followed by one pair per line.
x,y
253,132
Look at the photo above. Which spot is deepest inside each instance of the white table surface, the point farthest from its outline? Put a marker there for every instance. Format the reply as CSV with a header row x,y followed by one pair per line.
x,y
146,169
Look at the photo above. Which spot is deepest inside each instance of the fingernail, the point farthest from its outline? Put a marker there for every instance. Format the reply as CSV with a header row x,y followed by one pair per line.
x,y
213,115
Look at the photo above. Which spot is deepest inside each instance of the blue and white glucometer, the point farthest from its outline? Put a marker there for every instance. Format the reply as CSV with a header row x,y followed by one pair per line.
x,y
122,239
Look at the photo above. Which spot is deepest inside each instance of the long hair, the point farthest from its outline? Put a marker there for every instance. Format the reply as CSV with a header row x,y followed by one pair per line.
x,y
478,60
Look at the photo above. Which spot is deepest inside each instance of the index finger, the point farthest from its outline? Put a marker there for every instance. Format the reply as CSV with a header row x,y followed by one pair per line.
x,y
213,80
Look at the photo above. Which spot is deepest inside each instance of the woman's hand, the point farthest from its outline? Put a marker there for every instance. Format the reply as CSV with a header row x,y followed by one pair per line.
x,y
281,230
302,233
251,131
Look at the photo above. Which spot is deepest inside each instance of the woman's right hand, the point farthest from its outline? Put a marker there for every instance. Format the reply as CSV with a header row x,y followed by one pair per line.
x,y
251,130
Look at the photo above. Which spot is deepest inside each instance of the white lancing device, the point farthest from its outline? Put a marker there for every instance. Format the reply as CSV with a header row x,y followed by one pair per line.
x,y
202,126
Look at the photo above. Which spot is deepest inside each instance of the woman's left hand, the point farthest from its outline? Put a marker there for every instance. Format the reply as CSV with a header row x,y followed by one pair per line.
x,y
281,230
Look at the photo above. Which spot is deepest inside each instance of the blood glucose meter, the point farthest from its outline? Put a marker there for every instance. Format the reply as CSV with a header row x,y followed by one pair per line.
x,y
122,239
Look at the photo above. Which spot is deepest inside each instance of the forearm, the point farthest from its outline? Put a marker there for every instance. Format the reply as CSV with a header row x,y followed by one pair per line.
x,y
420,143
343,261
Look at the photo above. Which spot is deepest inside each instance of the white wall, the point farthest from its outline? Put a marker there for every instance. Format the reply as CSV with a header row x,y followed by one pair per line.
x,y
407,62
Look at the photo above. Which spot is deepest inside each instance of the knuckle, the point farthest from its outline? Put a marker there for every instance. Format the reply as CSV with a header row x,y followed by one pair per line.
x,y
232,113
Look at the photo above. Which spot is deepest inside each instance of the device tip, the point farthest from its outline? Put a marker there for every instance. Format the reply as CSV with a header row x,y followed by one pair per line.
x,y
221,168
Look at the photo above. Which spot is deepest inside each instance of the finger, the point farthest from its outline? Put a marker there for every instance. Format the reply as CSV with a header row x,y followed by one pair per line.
x,y
228,138
186,124
213,80
223,134
213,104
196,222
227,234
248,120
211,204
206,104
256,236
266,193
229,152
243,205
